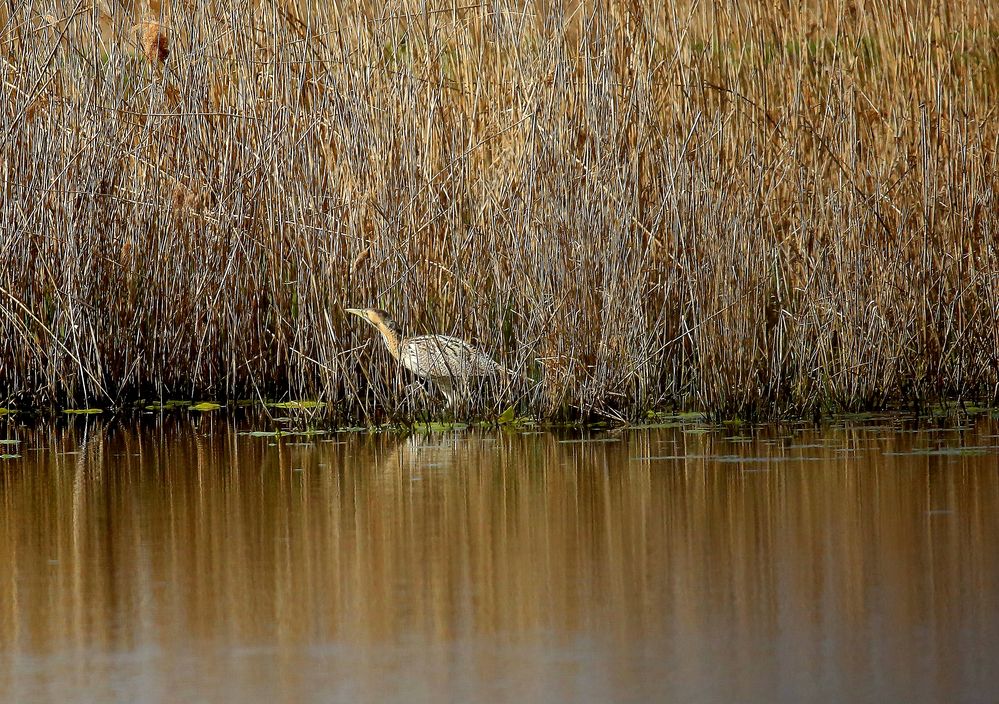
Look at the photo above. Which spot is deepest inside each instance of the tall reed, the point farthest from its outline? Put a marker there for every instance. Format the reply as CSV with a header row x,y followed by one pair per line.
x,y
748,208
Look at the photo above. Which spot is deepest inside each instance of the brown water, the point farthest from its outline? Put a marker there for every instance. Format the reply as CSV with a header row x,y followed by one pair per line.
x,y
183,561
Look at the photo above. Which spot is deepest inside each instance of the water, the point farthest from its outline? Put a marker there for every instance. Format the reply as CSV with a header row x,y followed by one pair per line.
x,y
183,561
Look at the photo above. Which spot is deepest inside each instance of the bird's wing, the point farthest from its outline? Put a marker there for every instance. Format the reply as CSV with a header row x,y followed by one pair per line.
x,y
444,356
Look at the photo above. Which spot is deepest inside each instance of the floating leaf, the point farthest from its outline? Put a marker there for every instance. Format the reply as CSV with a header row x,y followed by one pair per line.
x,y
10,441
204,406
507,416
168,405
6,411
440,427
83,411
687,416
283,433
9,457
297,404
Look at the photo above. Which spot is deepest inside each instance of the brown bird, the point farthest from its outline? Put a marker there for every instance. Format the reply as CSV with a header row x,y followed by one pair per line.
x,y
451,363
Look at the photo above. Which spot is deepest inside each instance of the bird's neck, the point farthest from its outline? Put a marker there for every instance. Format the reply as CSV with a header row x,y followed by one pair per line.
x,y
391,337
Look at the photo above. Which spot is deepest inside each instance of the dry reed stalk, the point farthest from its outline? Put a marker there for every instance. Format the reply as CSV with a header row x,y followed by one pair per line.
x,y
757,212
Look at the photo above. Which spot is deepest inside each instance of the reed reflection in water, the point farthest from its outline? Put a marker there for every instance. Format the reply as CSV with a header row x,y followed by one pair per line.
x,y
186,561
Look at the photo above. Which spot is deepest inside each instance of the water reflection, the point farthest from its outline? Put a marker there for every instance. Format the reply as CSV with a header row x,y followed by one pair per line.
x,y
184,560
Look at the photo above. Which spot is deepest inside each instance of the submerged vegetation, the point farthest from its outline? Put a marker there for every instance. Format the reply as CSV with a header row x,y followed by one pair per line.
x,y
743,208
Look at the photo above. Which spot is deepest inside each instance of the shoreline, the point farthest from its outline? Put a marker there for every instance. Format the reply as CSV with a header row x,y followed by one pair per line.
x,y
319,416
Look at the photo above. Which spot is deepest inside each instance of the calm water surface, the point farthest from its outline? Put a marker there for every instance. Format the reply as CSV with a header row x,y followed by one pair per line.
x,y
184,560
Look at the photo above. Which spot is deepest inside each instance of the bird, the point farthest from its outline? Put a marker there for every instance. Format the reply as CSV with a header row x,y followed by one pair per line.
x,y
449,362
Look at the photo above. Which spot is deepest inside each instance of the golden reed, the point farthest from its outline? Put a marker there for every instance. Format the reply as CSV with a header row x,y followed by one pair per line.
x,y
754,210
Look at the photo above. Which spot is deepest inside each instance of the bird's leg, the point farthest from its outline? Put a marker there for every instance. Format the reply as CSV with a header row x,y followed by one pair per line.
x,y
415,398
447,388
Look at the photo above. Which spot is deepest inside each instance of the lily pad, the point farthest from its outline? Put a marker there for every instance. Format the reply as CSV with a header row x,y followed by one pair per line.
x,y
82,411
9,441
168,405
438,427
204,406
9,457
683,416
6,411
283,433
297,404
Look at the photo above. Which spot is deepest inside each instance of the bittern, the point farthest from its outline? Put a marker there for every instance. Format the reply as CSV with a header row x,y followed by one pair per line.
x,y
451,363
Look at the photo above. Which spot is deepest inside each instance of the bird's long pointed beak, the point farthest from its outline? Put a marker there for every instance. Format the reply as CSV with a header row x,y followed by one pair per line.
x,y
359,312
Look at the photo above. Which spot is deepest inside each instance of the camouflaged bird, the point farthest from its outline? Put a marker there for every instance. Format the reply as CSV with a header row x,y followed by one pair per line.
x,y
451,363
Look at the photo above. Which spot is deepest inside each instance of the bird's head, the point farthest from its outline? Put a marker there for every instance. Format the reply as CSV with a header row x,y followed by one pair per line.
x,y
372,315
383,323
378,318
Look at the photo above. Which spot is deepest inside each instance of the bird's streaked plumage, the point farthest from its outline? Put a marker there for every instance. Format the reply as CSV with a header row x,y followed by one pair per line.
x,y
450,362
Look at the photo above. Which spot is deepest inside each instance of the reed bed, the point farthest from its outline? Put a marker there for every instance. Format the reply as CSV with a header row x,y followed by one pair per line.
x,y
751,209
